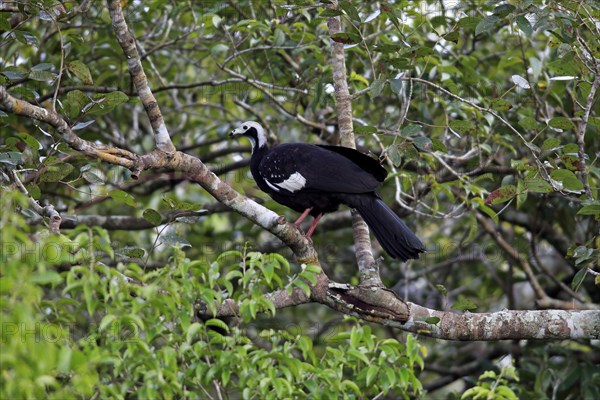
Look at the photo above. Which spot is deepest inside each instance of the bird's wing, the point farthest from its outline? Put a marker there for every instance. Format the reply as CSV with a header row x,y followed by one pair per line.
x,y
297,167
367,163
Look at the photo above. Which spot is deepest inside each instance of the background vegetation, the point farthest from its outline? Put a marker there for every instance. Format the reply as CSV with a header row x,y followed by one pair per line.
x,y
485,114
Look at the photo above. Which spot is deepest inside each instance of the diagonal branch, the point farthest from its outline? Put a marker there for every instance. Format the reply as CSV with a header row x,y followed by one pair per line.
x,y
138,77
106,153
543,300
178,161
47,211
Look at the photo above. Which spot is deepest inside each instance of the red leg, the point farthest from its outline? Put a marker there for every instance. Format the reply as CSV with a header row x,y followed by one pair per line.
x,y
313,226
301,217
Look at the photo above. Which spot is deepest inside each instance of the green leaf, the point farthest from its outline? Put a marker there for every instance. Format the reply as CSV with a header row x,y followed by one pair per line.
x,y
92,178
394,152
192,331
432,320
487,24
528,123
170,238
524,25
5,22
397,85
81,71
152,216
26,38
461,126
502,194
500,105
351,385
76,101
14,73
217,323
564,67
106,321
503,10
377,87
364,129
536,184
106,103
42,76
442,289
578,279
219,50
30,141
346,38
330,12
133,252
550,143
34,191
122,197
437,145
479,203
350,10
46,278
591,209
56,172
571,148
315,269
469,22
358,355
410,130
464,304
372,374
43,67
561,123
573,163
568,179
302,286
13,158
423,143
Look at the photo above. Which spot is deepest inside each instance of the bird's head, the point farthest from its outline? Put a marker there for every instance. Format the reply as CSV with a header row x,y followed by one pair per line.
x,y
253,131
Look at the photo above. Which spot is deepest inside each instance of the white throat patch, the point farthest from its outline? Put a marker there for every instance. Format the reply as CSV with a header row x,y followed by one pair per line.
x,y
260,136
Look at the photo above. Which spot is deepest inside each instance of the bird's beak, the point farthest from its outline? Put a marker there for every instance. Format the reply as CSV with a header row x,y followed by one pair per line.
x,y
234,132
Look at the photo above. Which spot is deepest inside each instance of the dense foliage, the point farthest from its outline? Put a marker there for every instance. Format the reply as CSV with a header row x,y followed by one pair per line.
x,y
484,113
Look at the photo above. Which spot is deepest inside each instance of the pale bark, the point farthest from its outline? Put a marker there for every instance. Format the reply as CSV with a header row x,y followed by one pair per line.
x,y
367,266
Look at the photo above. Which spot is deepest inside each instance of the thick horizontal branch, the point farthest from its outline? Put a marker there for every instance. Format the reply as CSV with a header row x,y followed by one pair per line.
x,y
280,298
505,325
120,222
383,306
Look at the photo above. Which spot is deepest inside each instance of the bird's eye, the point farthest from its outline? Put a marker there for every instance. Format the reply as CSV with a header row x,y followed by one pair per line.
x,y
245,127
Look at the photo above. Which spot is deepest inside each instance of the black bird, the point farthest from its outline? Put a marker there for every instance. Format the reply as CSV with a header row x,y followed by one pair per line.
x,y
316,179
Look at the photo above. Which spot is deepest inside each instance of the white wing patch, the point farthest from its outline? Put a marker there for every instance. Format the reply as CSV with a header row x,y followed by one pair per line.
x,y
294,183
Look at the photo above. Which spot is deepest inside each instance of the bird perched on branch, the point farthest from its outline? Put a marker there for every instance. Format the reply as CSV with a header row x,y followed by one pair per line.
x,y
316,179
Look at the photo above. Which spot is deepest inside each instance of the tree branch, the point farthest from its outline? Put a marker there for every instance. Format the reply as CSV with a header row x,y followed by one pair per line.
x,y
138,77
582,127
47,211
367,267
382,306
543,300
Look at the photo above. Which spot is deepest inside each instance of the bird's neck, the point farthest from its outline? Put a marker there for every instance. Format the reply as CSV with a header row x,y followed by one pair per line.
x,y
258,153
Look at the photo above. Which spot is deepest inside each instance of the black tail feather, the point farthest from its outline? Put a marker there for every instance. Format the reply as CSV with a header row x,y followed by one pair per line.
x,y
391,232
